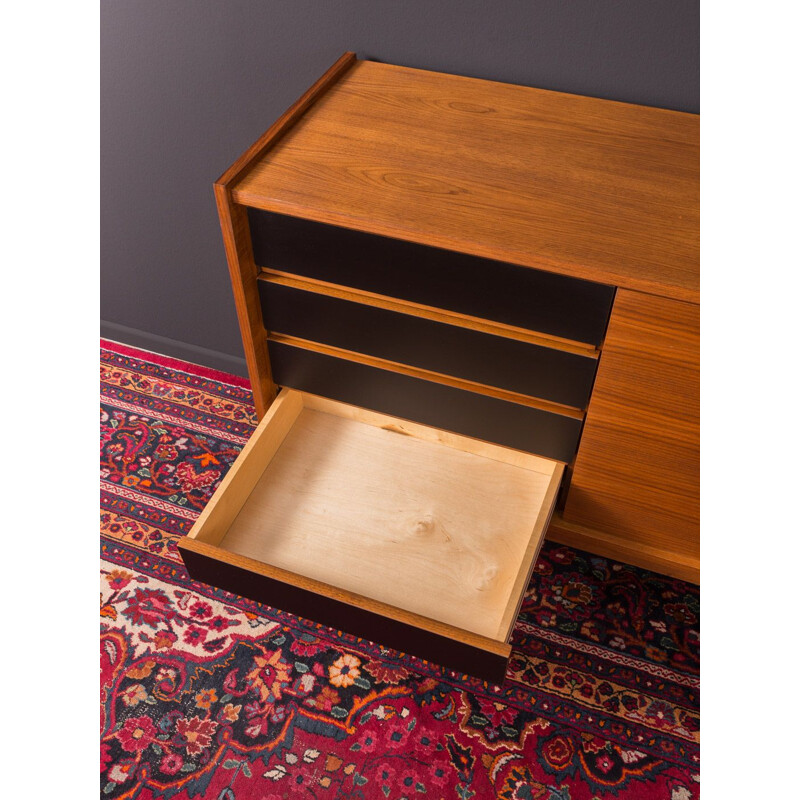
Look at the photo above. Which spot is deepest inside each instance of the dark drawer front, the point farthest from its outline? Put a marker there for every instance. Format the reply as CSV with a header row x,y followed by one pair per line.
x,y
539,301
492,360
463,656
488,418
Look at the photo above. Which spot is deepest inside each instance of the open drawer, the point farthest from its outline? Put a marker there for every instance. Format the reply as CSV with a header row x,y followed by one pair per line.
x,y
407,535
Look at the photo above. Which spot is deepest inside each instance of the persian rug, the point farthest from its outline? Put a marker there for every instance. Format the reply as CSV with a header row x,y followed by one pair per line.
x,y
205,694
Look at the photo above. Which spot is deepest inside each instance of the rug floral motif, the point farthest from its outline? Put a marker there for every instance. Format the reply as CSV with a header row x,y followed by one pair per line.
x,y
205,694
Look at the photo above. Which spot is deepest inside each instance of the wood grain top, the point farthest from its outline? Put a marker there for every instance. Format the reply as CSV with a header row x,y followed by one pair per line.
x,y
591,188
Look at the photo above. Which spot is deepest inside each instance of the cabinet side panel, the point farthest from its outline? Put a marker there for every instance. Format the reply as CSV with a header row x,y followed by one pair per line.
x,y
239,252
637,471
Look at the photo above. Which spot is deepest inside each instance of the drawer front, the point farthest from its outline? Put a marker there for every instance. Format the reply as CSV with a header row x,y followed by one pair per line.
x,y
494,420
529,369
321,604
540,301
419,539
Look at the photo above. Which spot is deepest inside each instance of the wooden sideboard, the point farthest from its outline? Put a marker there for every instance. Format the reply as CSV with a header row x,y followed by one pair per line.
x,y
506,273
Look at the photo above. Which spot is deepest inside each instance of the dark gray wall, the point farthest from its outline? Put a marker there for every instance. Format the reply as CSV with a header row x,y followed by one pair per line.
x,y
187,86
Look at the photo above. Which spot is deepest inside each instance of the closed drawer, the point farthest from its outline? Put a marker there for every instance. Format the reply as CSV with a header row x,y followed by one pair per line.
x,y
556,305
545,433
544,372
397,532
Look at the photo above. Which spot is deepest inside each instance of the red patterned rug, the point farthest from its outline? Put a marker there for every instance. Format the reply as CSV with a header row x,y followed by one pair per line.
x,y
207,694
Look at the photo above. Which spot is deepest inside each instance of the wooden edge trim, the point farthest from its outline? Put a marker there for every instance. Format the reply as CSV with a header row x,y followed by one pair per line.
x,y
428,375
531,554
429,312
220,511
270,137
427,433
666,562
671,291
239,254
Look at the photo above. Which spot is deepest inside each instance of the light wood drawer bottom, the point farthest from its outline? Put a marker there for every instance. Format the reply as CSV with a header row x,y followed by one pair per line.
x,y
407,535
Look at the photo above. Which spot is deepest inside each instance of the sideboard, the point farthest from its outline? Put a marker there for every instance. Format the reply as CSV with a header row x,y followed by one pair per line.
x,y
507,278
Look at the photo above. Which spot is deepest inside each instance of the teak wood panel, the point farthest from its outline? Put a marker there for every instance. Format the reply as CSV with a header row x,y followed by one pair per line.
x,y
541,372
616,546
637,471
421,539
590,188
244,282
555,305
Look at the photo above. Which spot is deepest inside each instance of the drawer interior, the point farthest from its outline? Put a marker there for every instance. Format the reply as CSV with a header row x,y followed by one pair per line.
x,y
414,523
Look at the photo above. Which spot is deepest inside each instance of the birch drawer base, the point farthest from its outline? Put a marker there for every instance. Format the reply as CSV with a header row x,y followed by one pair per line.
x,y
397,532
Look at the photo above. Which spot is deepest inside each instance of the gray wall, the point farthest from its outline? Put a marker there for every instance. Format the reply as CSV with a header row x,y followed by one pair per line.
x,y
186,86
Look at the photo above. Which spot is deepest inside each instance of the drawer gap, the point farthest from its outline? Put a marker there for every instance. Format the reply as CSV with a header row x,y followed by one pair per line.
x,y
429,312
435,377
522,297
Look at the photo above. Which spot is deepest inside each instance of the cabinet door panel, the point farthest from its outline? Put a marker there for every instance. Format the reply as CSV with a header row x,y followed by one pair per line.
x,y
638,466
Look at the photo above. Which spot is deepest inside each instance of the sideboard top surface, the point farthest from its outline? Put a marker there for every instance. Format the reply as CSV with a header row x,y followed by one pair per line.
x,y
580,186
